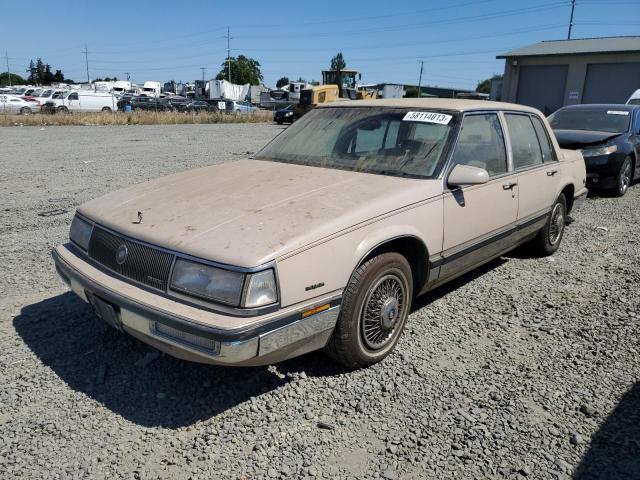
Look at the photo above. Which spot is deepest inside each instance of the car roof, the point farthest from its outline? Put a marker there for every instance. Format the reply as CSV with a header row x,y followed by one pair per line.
x,y
610,106
455,104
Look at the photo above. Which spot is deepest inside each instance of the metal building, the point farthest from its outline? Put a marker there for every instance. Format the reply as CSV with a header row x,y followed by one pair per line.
x,y
551,74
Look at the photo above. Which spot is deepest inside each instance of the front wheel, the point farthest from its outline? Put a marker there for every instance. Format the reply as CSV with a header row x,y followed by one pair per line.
x,y
625,177
25,111
106,110
375,307
63,109
548,239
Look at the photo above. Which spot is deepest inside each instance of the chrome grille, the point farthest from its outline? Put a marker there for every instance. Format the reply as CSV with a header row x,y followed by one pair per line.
x,y
143,264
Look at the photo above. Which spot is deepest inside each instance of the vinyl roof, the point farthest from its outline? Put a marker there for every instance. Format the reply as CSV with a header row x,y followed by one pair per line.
x,y
577,47
454,104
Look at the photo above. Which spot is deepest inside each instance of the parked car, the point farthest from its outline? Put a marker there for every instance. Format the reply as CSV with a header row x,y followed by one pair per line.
x,y
150,103
609,138
325,236
634,99
237,106
195,106
15,104
285,115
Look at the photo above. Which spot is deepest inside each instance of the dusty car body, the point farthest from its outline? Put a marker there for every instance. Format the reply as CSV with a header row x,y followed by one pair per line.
x,y
324,237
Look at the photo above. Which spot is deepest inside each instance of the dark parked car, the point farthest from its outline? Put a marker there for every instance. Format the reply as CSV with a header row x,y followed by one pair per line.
x,y
285,115
609,137
151,103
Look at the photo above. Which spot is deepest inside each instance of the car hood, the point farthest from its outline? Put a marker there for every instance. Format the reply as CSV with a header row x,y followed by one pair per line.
x,y
575,139
249,212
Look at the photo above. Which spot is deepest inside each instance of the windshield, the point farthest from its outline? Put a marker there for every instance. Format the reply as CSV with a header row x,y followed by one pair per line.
x,y
634,101
386,141
597,120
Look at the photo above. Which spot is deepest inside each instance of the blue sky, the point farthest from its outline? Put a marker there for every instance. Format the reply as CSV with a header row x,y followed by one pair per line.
x,y
161,40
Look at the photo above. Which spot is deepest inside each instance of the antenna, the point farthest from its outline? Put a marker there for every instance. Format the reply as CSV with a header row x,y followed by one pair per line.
x,y
573,7
420,79
86,59
6,56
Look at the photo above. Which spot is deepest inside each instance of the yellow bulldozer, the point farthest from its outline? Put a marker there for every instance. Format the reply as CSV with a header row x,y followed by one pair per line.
x,y
336,85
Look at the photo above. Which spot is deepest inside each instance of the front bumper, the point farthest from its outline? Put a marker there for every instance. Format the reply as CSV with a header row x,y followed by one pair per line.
x,y
182,330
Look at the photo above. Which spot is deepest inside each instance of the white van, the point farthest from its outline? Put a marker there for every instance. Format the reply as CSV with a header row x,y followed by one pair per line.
x,y
80,101
634,99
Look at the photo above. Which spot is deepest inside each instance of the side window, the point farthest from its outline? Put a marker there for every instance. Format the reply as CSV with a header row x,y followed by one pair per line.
x,y
72,96
636,127
543,138
370,140
524,141
481,144
321,97
391,135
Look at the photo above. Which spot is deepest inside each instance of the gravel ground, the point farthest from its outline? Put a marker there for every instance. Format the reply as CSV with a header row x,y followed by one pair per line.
x,y
525,368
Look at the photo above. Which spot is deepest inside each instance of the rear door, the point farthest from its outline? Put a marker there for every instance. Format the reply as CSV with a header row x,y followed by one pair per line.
x,y
478,219
536,168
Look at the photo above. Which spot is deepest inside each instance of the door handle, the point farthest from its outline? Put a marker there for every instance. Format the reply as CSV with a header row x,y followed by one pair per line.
x,y
509,186
551,173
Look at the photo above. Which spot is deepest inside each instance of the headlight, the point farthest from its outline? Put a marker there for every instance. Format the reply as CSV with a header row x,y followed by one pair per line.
x,y
596,152
261,289
288,114
209,283
80,232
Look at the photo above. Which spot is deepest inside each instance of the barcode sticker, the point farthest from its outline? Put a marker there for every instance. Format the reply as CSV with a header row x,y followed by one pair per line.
x,y
428,117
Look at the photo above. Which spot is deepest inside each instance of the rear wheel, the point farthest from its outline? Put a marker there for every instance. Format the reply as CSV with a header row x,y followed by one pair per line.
x,y
106,109
25,111
625,177
375,307
548,239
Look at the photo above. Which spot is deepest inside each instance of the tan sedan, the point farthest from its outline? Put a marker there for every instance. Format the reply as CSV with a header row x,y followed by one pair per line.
x,y
323,239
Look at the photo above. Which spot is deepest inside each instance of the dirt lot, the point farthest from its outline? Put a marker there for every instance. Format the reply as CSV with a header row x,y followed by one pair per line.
x,y
527,368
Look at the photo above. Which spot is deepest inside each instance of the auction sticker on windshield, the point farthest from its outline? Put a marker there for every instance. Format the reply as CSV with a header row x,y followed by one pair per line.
x,y
428,117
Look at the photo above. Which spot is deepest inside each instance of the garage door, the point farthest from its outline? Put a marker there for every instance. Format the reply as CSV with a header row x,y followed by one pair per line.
x,y
611,82
542,86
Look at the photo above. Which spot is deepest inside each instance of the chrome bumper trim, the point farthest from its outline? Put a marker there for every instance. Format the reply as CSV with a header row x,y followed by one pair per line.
x,y
230,346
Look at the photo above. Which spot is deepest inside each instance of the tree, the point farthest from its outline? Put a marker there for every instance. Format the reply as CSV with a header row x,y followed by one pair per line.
x,y
282,82
15,79
243,70
338,63
58,76
484,86
40,73
411,92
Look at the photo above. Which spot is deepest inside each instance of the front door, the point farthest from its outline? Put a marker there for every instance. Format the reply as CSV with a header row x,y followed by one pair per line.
x,y
479,218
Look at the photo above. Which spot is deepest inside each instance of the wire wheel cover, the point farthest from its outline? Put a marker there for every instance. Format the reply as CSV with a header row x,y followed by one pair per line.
x,y
557,224
383,311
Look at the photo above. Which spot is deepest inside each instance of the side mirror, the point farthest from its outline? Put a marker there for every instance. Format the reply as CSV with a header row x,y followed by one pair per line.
x,y
463,175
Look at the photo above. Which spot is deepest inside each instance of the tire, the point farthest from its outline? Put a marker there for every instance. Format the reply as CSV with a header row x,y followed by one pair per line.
x,y
25,111
62,109
548,239
106,110
625,178
375,307
279,122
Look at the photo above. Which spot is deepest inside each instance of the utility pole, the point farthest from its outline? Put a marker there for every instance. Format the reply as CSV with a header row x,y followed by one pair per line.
x,y
573,7
128,76
6,55
86,59
228,56
420,79
204,69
